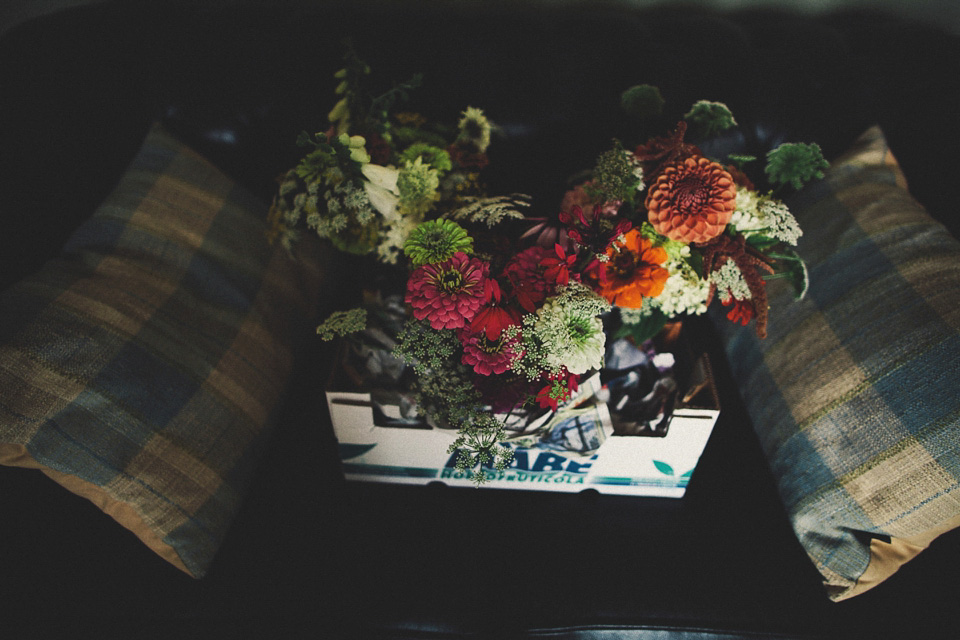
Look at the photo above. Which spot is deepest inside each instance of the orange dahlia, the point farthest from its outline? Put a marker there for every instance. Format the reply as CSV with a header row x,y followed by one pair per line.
x,y
632,271
691,201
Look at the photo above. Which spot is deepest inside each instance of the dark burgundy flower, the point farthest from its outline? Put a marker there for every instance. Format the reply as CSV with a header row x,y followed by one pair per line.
x,y
658,153
594,230
525,275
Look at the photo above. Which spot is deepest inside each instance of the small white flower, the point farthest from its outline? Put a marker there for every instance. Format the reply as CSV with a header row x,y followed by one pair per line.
x,y
729,281
684,292
780,222
746,215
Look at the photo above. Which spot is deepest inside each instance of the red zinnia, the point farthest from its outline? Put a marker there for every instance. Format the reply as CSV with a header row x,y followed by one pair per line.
x,y
448,294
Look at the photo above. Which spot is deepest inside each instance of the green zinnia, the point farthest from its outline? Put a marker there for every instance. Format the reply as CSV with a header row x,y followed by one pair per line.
x,y
436,241
433,156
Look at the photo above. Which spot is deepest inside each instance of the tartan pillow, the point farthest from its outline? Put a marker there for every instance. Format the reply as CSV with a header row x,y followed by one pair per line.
x,y
855,393
142,368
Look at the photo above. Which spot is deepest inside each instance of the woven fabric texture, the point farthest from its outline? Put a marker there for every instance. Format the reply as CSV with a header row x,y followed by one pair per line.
x,y
143,368
855,393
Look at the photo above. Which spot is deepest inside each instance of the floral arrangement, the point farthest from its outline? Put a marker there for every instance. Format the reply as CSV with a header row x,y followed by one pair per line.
x,y
503,310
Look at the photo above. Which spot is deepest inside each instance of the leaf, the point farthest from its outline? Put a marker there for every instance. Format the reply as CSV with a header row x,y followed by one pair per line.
x,y
491,211
642,331
761,242
687,474
663,467
796,271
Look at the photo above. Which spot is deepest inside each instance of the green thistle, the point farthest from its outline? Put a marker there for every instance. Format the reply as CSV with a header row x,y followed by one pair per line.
x,y
436,241
710,118
433,156
795,163
642,100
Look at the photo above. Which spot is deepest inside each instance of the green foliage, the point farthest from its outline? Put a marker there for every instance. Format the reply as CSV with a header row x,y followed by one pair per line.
x,y
477,446
444,389
795,270
405,136
341,323
639,332
381,105
642,100
616,178
435,157
342,152
707,119
740,159
795,163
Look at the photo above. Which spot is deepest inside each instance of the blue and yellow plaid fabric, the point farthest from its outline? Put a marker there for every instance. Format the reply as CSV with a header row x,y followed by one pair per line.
x,y
855,393
142,369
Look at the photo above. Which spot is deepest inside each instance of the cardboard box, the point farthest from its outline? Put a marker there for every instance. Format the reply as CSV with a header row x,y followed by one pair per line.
x,y
378,445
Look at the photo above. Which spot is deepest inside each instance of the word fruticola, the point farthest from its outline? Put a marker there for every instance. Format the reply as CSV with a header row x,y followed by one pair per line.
x,y
543,462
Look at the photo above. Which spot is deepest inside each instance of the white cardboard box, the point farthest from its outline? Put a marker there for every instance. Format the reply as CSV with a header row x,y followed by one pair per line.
x,y
658,466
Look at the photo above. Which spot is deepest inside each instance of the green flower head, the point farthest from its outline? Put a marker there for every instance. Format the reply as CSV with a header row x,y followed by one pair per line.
x,y
642,100
795,163
475,128
418,184
433,156
436,241
709,118
616,177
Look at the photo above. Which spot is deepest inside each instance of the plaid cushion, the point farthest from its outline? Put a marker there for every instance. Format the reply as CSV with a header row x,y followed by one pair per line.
x,y
855,394
143,367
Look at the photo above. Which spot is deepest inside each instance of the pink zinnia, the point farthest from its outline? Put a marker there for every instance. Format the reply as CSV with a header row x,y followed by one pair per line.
x,y
488,357
448,294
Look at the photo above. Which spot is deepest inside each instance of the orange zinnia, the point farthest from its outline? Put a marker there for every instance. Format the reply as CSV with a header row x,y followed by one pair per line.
x,y
633,271
692,201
